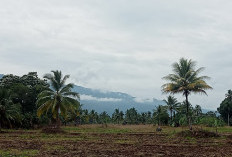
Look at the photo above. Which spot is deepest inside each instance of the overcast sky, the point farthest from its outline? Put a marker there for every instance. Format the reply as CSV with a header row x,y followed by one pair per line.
x,y
120,45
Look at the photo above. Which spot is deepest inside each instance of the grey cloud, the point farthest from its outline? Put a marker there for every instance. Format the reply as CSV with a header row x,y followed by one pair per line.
x,y
125,46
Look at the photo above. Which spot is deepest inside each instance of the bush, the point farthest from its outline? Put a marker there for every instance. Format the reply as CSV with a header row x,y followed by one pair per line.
x,y
211,121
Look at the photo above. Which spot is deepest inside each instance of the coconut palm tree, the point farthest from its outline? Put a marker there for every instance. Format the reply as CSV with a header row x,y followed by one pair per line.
x,y
185,79
8,110
59,98
157,113
198,110
172,104
116,116
121,114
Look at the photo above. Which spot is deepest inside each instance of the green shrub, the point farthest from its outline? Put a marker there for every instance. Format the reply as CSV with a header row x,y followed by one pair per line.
x,y
211,121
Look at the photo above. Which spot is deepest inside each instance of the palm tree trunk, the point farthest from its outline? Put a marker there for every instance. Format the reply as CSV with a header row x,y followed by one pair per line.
x,y
228,121
187,111
57,119
171,115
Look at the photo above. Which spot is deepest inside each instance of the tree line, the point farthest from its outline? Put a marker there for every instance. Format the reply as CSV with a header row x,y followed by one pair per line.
x,y
30,102
161,116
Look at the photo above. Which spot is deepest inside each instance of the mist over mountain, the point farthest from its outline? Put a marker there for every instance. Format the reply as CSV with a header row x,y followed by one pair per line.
x,y
109,101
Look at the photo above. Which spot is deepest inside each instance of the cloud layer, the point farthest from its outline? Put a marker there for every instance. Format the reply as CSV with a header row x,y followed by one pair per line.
x,y
125,46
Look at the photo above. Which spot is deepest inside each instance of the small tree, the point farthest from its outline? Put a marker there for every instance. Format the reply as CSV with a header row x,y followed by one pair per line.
x,y
172,105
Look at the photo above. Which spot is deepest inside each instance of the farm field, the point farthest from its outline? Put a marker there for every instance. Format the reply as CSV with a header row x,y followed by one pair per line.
x,y
115,140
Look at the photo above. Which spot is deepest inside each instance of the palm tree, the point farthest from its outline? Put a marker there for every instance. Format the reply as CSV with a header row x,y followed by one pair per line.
x,y
157,113
93,117
121,114
8,110
185,80
198,110
172,104
59,98
116,116
104,118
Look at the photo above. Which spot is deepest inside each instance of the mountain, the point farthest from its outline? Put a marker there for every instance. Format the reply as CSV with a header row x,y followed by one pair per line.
x,y
1,75
109,101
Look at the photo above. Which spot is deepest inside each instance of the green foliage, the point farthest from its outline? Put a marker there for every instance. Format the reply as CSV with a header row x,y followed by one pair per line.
x,y
172,105
29,120
93,117
9,112
183,121
104,118
211,121
131,116
160,115
24,91
225,108
145,118
197,110
117,116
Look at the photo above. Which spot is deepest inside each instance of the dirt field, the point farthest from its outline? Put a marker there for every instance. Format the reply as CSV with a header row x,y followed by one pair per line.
x,y
115,140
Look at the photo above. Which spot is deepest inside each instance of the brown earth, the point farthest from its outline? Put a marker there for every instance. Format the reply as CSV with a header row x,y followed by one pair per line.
x,y
112,144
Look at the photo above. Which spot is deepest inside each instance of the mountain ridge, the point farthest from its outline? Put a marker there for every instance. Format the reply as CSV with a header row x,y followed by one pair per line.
x,y
93,99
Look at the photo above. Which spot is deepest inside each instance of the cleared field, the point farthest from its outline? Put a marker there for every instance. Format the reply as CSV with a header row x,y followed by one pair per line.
x,y
115,140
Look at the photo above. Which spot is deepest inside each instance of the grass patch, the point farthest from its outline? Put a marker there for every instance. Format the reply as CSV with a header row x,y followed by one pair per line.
x,y
225,129
18,153
97,129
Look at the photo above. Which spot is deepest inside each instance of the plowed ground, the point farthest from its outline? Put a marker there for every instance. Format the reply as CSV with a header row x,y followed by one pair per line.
x,y
112,141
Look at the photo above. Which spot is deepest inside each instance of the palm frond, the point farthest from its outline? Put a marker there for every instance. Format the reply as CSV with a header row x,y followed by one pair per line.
x,y
64,79
67,88
72,94
43,100
46,92
44,107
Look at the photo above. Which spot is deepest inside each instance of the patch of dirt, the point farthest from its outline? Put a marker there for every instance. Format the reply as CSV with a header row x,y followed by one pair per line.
x,y
198,134
20,144
3,132
53,130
